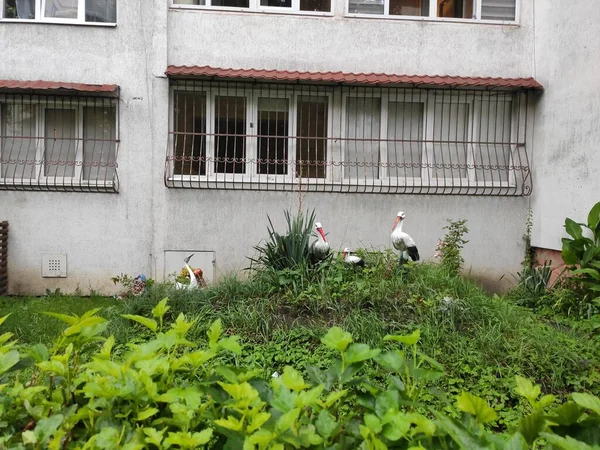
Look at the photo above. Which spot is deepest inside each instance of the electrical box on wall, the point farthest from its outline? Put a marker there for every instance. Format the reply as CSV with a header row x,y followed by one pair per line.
x,y
202,259
54,265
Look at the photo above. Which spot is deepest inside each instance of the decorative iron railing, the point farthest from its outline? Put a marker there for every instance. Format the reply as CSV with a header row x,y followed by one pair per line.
x,y
341,138
58,142
3,258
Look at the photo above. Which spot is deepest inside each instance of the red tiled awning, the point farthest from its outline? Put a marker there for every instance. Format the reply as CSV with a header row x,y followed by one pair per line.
x,y
354,78
59,85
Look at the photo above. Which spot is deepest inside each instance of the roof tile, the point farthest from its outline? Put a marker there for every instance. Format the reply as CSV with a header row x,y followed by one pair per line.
x,y
58,85
361,78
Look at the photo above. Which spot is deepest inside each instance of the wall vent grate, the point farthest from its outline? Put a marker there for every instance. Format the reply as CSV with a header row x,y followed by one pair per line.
x,y
54,265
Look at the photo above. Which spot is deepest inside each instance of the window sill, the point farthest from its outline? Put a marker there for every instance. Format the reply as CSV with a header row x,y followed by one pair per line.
x,y
248,10
60,22
432,19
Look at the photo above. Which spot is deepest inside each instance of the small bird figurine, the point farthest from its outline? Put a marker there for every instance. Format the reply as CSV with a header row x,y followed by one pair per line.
x,y
319,249
403,242
352,259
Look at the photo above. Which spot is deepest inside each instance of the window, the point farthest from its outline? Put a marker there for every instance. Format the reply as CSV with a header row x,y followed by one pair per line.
x,y
311,144
57,142
320,6
62,11
230,135
273,126
494,10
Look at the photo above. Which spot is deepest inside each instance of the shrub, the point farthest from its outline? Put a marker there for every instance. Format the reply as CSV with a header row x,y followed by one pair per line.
x,y
449,249
583,253
288,251
171,393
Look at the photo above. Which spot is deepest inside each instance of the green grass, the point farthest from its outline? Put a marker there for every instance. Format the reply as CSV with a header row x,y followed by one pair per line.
x,y
483,341
31,326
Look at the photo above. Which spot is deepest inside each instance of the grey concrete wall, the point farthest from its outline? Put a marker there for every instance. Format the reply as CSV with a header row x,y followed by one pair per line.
x,y
267,41
566,152
104,235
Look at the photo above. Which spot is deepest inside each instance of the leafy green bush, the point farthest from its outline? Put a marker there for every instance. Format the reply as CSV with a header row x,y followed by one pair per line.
x,y
584,252
169,392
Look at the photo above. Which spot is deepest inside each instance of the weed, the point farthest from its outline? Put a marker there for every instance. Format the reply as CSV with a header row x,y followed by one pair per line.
x,y
449,249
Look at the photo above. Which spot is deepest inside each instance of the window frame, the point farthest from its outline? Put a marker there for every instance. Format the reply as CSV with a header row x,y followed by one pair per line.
x,y
254,6
39,16
458,155
251,136
39,173
415,96
432,17
514,134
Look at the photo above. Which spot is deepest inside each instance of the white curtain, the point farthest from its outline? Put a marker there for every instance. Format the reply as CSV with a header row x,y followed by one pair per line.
x,y
64,9
405,123
61,146
498,9
450,123
365,6
363,124
495,131
18,127
99,145
101,11
26,9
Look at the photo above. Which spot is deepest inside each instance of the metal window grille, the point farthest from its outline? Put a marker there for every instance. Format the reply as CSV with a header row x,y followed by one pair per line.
x,y
58,143
343,138
3,258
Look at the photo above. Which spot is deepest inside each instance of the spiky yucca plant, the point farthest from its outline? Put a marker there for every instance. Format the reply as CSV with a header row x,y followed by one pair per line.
x,y
290,250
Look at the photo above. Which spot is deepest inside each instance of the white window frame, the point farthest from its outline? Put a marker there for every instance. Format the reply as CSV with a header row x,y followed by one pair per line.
x,y
344,133
40,7
430,178
255,6
337,109
78,136
291,145
37,146
414,96
329,172
251,174
433,14
39,175
514,133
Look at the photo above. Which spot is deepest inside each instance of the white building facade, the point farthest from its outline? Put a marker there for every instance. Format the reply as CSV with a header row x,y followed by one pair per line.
x,y
135,132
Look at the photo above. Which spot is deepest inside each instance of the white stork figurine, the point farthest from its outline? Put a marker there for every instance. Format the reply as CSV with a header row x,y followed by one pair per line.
x,y
193,280
403,242
352,259
319,249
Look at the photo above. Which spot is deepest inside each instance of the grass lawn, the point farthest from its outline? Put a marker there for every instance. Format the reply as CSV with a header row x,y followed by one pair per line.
x,y
29,325
481,340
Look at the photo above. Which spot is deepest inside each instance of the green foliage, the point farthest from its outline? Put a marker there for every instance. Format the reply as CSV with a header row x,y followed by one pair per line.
x,y
449,249
288,251
535,280
583,252
170,392
528,260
